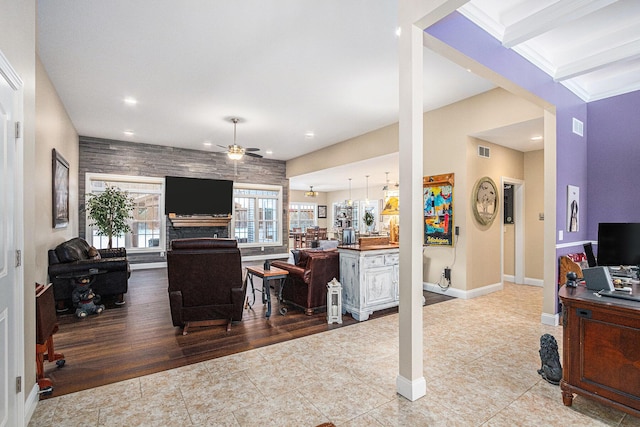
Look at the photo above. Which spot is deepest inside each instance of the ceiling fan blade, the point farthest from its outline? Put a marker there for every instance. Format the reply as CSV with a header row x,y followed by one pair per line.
x,y
253,155
252,149
226,147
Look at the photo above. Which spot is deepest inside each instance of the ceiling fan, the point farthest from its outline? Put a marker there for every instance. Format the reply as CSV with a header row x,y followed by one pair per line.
x,y
235,151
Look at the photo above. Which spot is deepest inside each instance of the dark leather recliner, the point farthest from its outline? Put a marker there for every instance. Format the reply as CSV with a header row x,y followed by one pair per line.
x,y
306,284
205,282
74,258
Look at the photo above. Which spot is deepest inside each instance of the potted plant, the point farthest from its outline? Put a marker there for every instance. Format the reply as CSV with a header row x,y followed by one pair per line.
x,y
368,220
110,211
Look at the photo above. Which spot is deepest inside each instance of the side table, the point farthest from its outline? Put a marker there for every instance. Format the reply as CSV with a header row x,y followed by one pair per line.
x,y
273,273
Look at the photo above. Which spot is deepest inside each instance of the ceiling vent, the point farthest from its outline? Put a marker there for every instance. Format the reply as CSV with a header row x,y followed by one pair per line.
x,y
484,151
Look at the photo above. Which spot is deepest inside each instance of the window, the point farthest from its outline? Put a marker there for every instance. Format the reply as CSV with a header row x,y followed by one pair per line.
x,y
256,218
147,223
302,215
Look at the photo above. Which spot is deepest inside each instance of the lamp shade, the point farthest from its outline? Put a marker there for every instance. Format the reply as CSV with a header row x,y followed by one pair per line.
x,y
391,206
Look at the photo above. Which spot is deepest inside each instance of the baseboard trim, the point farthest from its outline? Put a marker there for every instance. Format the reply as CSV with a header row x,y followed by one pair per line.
x,y
31,403
459,293
264,257
412,390
527,280
550,319
148,265
534,282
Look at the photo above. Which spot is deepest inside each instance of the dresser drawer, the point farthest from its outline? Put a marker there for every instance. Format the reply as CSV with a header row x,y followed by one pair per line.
x,y
391,259
374,261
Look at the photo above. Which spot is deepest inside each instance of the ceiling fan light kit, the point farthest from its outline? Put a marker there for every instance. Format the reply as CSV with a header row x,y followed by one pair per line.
x,y
236,152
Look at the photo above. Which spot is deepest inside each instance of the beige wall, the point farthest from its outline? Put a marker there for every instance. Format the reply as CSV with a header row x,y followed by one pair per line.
x,y
53,130
534,206
484,242
448,149
373,144
509,239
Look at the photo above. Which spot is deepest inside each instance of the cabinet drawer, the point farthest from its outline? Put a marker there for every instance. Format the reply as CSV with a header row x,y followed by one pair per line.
x,y
374,261
391,259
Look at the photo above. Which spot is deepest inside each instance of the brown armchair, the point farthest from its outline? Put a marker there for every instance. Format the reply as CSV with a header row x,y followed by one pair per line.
x,y
306,284
206,286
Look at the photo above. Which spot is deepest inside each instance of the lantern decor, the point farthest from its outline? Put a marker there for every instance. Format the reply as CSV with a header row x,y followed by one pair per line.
x,y
334,302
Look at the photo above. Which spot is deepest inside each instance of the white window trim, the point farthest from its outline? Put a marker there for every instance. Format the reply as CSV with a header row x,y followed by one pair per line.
x,y
91,176
315,207
265,187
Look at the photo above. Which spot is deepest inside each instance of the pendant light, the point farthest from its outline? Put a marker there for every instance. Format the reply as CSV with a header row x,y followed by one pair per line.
x,y
310,193
350,201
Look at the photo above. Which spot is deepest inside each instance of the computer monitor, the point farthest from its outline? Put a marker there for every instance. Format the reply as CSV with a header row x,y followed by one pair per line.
x,y
619,243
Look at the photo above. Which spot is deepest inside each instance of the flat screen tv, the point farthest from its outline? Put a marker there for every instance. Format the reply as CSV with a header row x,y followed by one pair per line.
x,y
618,243
197,196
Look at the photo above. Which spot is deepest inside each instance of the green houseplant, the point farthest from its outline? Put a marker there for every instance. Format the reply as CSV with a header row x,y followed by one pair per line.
x,y
110,211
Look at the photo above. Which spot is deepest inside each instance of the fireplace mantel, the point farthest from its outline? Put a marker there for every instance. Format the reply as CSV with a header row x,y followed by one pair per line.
x,y
199,221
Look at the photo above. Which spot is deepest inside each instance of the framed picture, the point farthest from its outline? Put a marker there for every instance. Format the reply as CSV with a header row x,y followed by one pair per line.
x,y
573,201
322,211
484,201
60,190
437,192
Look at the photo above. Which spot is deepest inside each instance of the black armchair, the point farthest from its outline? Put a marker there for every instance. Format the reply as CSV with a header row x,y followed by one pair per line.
x,y
206,284
75,258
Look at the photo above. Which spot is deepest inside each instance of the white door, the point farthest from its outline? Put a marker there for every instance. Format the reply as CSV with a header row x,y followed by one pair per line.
x,y
11,401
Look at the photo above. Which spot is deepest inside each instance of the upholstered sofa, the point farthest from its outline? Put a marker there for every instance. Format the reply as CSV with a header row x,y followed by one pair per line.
x,y
108,269
205,282
306,284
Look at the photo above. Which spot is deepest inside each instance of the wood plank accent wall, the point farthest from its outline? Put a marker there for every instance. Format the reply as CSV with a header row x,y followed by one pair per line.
x,y
126,158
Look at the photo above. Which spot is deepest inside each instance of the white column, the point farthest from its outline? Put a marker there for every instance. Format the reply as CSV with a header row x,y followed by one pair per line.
x,y
410,381
414,16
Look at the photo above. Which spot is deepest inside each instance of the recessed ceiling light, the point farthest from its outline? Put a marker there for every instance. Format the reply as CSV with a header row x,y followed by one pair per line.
x,y
207,143
309,135
398,31
130,100
269,152
128,133
536,138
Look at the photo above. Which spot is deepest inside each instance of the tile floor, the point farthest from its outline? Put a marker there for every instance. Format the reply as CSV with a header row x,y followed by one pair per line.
x,y
480,362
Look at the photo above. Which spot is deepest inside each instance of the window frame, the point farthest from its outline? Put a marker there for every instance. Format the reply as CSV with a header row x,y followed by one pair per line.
x,y
298,205
115,178
280,221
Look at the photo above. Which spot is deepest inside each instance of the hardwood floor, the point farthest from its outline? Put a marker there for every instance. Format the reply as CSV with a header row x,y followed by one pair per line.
x,y
138,338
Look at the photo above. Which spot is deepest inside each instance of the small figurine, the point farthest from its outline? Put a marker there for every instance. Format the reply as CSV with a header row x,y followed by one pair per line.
x,y
572,278
551,370
84,299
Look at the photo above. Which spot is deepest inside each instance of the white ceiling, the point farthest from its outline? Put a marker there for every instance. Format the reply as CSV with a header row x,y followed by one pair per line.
x,y
288,67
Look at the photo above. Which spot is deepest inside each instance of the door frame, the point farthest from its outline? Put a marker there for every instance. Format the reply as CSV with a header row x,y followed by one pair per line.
x,y
16,414
518,215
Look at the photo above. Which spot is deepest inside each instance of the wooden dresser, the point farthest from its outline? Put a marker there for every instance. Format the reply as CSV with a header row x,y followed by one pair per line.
x,y
601,349
369,278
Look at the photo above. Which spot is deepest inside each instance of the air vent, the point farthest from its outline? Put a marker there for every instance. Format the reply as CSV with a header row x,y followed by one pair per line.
x,y
578,127
484,151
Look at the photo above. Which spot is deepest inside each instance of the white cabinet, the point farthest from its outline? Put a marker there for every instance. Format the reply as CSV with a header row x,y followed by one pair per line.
x,y
369,280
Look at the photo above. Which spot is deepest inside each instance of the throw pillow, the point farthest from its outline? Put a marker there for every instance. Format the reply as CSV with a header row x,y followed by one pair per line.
x,y
296,256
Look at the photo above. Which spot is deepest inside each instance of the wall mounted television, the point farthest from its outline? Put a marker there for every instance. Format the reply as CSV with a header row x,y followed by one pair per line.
x,y
618,244
198,196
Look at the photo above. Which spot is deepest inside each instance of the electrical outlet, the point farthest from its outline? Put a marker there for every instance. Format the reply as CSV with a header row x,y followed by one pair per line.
x,y
457,230
262,248
215,235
